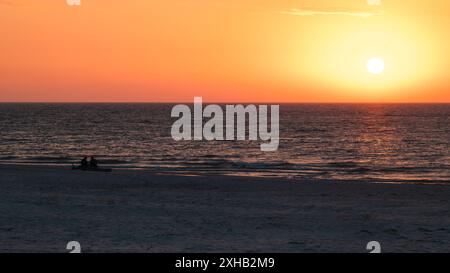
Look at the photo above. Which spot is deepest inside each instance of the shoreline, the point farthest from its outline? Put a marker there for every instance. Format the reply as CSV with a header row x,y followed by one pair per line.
x,y
244,174
41,209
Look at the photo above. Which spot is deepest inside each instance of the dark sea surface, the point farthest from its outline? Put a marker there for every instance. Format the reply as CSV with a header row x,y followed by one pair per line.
x,y
377,142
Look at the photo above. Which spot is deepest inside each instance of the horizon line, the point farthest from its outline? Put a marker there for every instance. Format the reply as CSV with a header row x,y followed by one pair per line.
x,y
213,102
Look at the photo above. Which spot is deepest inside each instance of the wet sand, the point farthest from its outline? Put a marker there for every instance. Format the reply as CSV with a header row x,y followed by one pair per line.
x,y
43,208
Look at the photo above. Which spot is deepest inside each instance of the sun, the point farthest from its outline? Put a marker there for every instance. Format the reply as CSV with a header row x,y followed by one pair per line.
x,y
375,65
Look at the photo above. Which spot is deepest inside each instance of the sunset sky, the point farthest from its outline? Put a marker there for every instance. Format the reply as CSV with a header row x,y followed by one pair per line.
x,y
224,50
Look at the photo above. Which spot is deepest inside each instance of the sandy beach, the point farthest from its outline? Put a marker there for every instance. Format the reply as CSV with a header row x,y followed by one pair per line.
x,y
43,208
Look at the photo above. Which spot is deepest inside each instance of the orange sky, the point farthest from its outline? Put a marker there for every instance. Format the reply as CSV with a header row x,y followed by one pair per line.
x,y
224,50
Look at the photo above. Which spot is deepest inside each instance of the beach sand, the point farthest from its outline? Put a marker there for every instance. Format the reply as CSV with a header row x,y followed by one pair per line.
x,y
43,208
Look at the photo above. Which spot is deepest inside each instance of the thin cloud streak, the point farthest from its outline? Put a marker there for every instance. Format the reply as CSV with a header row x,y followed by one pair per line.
x,y
305,12
6,2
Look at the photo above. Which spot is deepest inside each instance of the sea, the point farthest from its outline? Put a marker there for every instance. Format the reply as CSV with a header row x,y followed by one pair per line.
x,y
398,143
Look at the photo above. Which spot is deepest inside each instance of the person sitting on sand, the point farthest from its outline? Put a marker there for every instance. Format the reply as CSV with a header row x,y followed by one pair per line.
x,y
93,163
84,163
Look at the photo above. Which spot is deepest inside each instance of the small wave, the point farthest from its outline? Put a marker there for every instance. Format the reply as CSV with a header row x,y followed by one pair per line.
x,y
37,158
259,165
344,164
214,163
49,158
9,157
115,161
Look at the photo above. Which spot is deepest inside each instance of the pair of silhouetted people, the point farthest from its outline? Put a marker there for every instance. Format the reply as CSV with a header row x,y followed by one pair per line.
x,y
84,163
92,164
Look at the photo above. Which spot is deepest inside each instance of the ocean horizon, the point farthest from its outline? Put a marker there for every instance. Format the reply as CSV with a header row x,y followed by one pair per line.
x,y
339,141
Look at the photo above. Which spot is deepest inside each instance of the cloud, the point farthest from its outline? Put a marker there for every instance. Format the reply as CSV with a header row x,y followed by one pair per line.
x,y
374,2
310,12
7,2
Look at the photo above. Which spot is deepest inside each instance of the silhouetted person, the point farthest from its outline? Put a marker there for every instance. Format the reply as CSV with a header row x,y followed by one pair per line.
x,y
93,163
84,163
